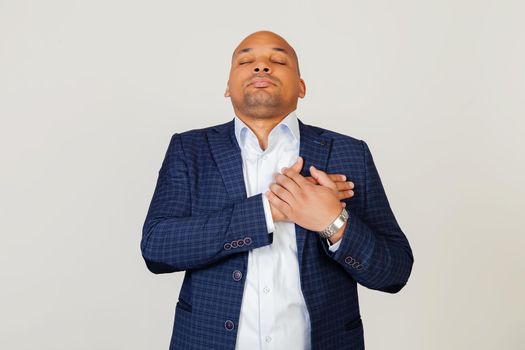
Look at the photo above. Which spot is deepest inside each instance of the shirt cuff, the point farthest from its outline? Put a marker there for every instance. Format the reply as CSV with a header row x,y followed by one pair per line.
x,y
335,246
268,214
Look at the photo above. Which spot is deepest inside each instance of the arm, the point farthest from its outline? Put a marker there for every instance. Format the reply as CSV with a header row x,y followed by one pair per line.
x,y
174,240
373,249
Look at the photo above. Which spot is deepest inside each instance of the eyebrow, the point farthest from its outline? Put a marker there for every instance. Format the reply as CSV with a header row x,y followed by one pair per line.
x,y
248,49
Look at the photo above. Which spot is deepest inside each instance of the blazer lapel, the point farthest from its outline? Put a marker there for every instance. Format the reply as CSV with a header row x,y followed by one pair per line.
x,y
227,155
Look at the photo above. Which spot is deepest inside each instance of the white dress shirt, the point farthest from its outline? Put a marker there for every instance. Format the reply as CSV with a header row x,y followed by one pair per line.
x,y
273,311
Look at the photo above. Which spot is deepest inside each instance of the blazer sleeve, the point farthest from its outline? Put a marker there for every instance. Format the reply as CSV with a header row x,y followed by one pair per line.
x,y
374,249
174,240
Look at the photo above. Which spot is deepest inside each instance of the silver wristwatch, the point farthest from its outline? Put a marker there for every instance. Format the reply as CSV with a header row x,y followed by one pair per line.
x,y
335,225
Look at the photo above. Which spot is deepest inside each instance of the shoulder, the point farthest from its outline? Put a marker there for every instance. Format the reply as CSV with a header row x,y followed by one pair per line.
x,y
199,135
195,142
198,132
339,139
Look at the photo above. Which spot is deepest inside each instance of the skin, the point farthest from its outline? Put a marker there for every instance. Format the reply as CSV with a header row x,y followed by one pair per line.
x,y
312,202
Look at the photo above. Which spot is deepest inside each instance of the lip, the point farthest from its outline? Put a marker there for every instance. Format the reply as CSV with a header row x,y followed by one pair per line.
x,y
261,82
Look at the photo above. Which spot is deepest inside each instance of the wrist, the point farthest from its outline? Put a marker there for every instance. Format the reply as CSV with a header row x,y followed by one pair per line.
x,y
338,235
336,227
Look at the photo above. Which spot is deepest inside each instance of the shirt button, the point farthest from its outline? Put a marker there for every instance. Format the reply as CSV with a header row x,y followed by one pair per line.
x,y
266,290
265,157
268,339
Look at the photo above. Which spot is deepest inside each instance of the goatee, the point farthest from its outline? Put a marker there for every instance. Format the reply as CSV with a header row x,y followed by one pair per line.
x,y
261,99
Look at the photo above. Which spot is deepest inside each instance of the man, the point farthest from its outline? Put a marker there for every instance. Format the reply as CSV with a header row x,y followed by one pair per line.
x,y
259,214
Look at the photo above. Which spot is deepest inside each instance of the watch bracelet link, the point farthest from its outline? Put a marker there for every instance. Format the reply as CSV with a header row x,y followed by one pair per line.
x,y
331,229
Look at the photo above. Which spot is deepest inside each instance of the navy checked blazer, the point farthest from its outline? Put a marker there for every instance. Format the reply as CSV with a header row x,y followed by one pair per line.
x,y
200,221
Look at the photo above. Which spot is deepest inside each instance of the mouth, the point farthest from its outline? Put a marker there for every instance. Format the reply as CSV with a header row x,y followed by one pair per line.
x,y
261,82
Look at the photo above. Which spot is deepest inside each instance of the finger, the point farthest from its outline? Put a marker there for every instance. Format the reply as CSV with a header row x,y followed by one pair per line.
x,y
288,184
278,203
282,193
322,178
337,177
345,194
295,176
344,185
311,179
298,165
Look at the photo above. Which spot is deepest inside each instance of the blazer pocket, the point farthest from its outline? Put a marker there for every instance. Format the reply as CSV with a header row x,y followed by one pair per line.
x,y
352,324
184,305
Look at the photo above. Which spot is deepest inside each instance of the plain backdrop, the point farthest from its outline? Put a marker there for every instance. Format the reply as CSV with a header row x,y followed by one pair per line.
x,y
91,92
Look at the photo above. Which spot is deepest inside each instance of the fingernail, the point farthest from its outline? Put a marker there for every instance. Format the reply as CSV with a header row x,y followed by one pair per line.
x,y
344,177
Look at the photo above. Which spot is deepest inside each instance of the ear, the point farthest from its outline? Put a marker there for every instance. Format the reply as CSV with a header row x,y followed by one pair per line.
x,y
227,91
302,88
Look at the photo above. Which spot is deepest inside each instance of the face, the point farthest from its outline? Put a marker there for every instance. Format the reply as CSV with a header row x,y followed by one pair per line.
x,y
264,80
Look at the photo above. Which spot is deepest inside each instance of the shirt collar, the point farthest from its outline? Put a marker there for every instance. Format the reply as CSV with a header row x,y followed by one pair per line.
x,y
290,123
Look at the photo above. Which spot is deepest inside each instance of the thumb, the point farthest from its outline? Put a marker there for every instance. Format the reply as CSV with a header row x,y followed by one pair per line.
x,y
321,177
298,165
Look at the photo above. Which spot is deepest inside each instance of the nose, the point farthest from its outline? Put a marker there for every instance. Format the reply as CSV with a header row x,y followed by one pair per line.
x,y
261,67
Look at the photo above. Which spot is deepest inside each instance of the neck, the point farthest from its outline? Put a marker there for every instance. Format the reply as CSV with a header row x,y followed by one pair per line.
x,y
261,126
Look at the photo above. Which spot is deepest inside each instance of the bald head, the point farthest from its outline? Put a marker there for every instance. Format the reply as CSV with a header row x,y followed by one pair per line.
x,y
262,35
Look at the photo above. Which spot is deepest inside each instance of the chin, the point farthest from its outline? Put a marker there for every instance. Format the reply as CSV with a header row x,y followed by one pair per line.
x,y
262,100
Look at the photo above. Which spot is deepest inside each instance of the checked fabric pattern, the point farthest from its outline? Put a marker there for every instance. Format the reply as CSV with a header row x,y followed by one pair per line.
x,y
200,221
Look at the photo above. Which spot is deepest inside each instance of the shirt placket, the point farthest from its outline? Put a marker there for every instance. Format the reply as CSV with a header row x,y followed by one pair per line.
x,y
266,262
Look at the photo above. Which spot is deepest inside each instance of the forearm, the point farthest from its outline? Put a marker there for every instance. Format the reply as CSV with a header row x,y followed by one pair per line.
x,y
376,261
172,244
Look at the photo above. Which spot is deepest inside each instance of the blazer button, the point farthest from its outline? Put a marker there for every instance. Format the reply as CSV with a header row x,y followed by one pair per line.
x,y
349,260
237,275
247,240
240,242
227,246
228,325
234,244
355,264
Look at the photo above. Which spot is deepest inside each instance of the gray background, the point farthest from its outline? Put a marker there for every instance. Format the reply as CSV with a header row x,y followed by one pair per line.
x,y
91,92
